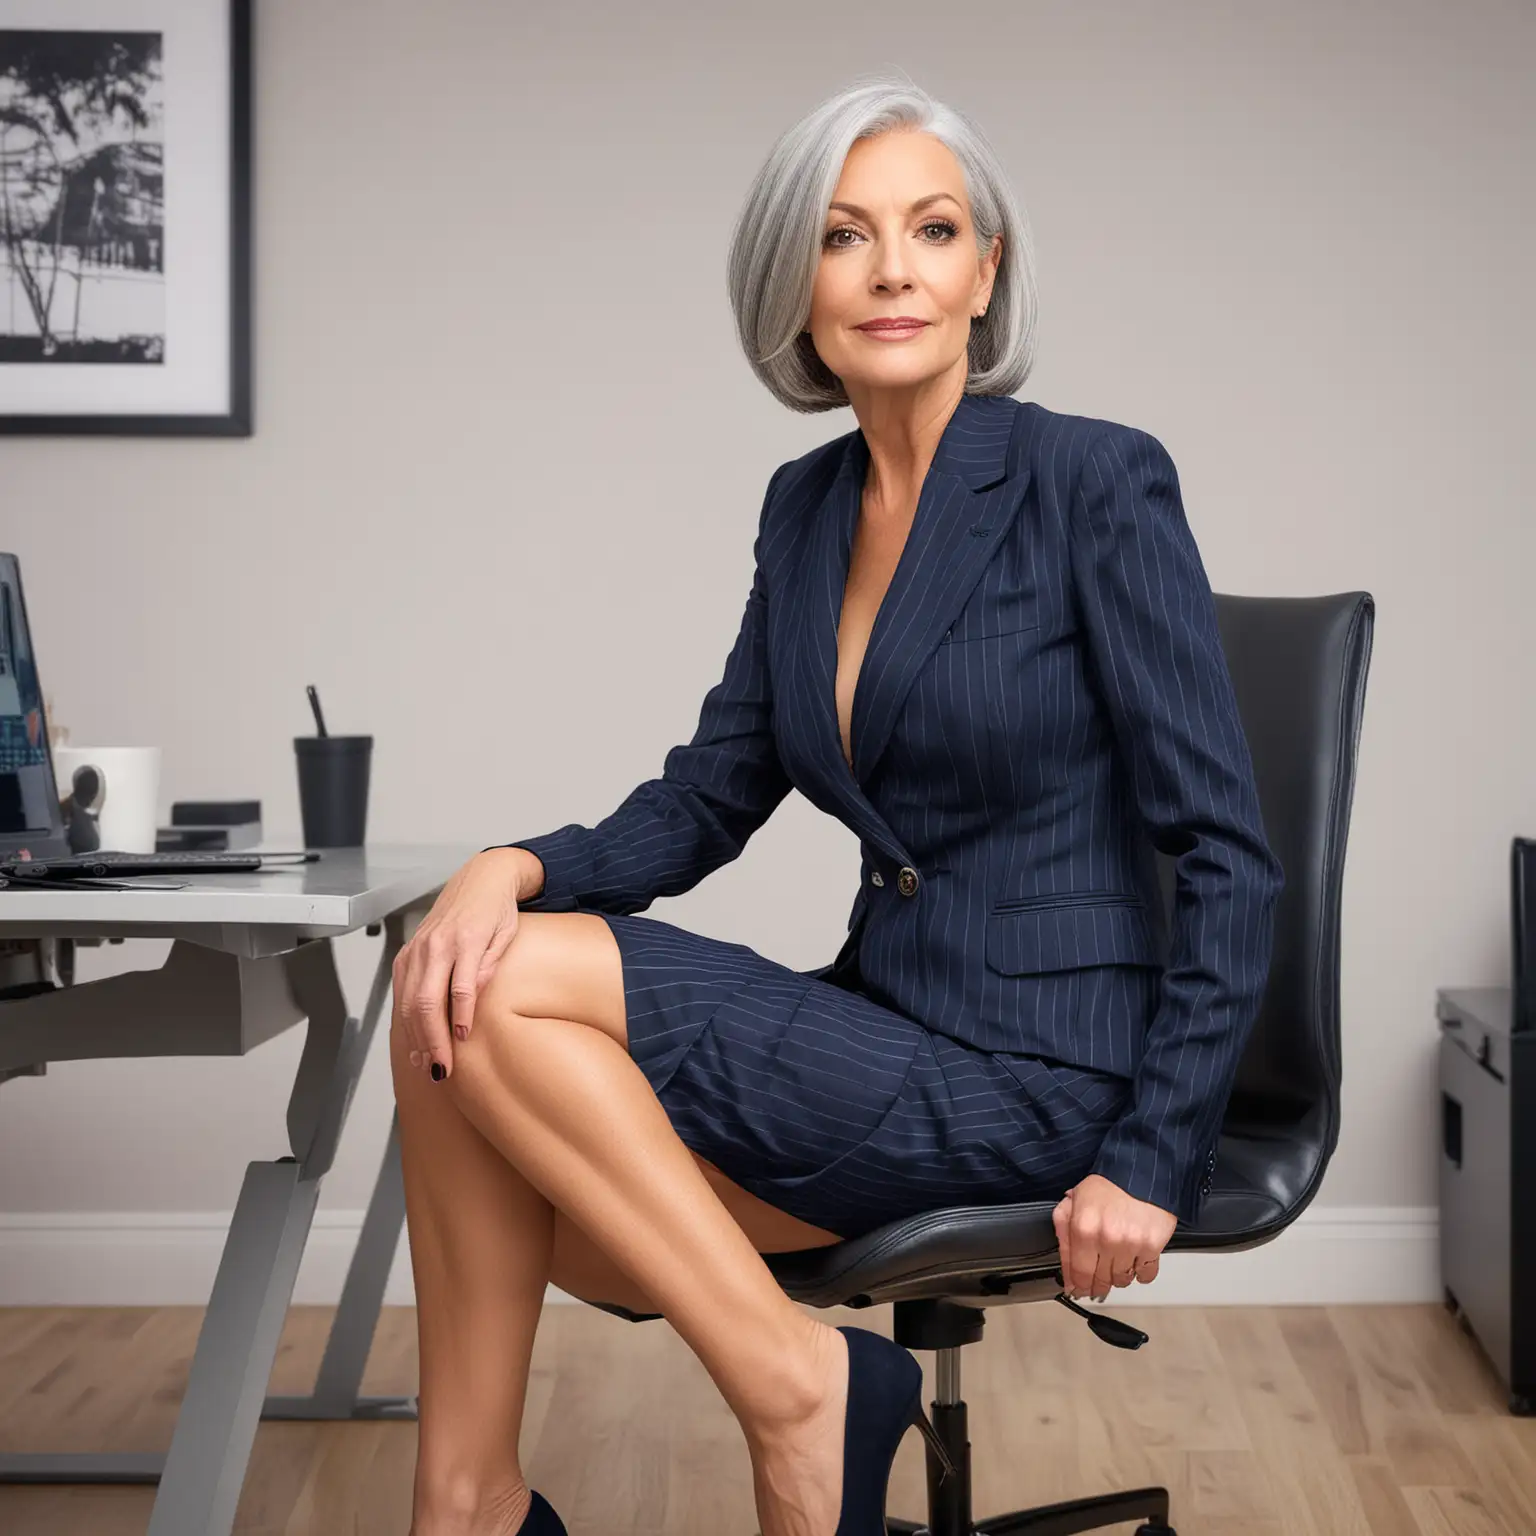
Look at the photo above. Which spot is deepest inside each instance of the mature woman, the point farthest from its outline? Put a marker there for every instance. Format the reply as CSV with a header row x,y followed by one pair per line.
x,y
980,634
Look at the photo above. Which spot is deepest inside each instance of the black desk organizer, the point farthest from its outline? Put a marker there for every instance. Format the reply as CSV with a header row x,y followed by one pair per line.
x,y
1488,1151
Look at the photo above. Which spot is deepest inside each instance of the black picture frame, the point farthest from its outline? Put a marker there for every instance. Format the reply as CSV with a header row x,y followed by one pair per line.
x,y
238,419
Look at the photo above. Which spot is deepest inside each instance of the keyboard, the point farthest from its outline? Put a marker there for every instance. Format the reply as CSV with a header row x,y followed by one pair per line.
x,y
98,865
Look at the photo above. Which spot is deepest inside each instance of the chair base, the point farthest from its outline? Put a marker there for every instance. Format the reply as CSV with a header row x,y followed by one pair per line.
x,y
949,1498
946,1326
1064,1519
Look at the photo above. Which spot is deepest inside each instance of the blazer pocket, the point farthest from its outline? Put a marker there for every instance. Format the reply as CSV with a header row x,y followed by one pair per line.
x,y
1107,929
1064,899
961,633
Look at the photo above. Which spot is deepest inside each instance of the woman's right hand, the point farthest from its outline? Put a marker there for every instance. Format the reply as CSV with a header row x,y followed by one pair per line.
x,y
439,973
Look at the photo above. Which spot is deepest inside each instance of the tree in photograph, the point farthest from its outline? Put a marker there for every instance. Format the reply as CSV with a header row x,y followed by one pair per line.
x,y
73,173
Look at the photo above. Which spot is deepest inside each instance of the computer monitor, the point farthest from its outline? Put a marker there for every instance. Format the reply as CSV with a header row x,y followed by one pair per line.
x,y
31,818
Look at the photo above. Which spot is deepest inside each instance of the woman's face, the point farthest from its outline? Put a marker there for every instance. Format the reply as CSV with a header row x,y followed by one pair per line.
x,y
898,241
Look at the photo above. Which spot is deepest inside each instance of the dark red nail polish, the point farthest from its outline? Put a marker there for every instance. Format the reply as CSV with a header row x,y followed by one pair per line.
x,y
437,1072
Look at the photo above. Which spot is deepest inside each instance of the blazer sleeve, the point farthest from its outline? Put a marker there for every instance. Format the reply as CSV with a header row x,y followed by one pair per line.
x,y
712,795
1150,622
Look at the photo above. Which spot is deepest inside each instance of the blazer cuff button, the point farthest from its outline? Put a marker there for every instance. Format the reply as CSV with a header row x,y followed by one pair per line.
x,y
906,880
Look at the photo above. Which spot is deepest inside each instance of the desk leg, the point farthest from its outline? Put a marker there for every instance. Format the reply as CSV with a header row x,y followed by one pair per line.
x,y
205,1467
336,1394
202,1474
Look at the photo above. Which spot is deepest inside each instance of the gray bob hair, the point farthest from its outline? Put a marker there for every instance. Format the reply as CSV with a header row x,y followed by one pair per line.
x,y
776,246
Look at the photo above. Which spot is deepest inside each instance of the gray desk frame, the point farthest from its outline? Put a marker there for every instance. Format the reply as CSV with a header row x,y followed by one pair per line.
x,y
251,957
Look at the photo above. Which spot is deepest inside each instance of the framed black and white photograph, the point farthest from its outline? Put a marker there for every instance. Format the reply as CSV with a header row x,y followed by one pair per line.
x,y
125,216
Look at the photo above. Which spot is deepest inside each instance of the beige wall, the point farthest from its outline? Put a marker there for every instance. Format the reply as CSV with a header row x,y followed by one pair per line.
x,y
1292,241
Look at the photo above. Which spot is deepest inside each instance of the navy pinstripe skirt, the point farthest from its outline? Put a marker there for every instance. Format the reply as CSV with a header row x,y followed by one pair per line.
x,y
830,1106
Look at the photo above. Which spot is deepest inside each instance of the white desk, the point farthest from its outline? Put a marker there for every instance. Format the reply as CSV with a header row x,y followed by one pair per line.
x,y
251,958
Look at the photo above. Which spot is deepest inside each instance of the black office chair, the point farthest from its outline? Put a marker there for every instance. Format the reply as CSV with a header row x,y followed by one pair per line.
x,y
1299,667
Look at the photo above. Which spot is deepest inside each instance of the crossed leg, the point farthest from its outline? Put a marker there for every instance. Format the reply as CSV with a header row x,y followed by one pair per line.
x,y
545,1156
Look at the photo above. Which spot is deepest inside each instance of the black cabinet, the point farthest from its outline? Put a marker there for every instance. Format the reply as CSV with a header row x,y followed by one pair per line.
x,y
1488,1179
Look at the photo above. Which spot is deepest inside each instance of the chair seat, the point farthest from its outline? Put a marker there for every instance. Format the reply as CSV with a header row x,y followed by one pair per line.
x,y
977,1254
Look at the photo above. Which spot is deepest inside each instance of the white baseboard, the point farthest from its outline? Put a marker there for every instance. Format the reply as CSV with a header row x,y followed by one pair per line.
x,y
169,1258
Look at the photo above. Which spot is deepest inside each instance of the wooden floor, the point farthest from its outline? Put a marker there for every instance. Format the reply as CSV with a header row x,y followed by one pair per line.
x,y
1325,1421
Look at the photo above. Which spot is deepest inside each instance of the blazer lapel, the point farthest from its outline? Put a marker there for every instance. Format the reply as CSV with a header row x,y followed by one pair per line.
x,y
969,498
968,503
824,575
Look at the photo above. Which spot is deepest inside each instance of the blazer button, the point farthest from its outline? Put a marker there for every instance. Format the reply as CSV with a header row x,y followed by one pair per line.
x,y
906,881
877,878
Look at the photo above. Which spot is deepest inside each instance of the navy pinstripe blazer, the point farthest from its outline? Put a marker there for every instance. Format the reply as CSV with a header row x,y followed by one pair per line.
x,y
1043,701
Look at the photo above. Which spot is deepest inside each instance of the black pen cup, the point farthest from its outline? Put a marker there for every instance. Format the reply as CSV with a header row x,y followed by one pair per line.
x,y
333,789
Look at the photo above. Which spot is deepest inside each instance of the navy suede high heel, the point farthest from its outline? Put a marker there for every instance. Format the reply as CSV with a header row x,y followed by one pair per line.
x,y
541,1519
885,1398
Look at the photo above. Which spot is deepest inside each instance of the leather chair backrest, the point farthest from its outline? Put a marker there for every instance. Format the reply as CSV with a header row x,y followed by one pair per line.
x,y
1299,668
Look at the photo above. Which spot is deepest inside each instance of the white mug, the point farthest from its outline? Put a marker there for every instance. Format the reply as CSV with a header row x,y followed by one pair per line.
x,y
128,805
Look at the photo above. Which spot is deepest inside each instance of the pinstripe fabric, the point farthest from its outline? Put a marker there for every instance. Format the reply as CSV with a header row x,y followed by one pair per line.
x,y
832,1107
1043,701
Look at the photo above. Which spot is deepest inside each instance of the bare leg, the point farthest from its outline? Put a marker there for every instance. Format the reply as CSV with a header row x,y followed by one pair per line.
x,y
484,1242
558,1096
480,1242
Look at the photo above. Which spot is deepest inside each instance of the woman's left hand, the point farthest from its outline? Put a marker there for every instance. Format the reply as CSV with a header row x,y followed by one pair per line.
x,y
1108,1237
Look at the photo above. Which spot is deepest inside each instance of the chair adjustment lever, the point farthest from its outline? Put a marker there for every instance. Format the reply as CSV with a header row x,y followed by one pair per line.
x,y
1110,1329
